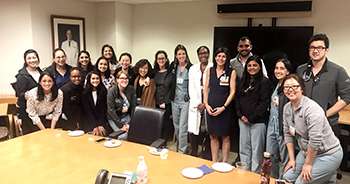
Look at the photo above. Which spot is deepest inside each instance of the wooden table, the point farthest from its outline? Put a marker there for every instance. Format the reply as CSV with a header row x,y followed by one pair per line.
x,y
51,156
9,99
344,116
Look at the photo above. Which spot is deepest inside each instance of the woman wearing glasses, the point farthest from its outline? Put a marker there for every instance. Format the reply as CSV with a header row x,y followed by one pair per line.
x,y
253,100
274,138
304,121
121,102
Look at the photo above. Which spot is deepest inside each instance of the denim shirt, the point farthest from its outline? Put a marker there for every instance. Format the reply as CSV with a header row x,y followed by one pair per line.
x,y
311,127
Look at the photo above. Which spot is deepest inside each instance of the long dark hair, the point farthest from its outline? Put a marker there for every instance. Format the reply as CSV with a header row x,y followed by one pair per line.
x,y
288,65
181,47
90,67
89,88
29,51
107,73
142,63
156,66
249,82
227,62
54,89
113,59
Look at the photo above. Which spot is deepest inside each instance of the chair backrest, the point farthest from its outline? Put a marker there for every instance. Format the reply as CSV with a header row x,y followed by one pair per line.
x,y
146,125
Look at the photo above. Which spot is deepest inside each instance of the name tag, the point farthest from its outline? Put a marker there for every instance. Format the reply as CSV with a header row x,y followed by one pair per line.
x,y
179,80
224,80
291,130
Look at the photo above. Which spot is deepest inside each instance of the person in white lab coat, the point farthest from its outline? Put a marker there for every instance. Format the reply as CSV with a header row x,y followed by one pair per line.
x,y
196,116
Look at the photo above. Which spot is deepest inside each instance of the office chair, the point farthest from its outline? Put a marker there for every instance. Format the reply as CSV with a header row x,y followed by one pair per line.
x,y
145,127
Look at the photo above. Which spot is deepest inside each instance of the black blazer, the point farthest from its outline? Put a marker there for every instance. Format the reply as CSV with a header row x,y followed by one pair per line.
x,y
94,115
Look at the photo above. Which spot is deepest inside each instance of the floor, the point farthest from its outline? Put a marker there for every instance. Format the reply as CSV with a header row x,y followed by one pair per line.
x,y
345,179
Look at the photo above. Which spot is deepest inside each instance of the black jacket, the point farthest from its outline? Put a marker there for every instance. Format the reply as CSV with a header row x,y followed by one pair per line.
x,y
72,104
24,82
94,115
173,70
255,103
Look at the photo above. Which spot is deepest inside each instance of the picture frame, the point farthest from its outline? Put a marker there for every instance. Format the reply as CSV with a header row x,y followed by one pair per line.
x,y
68,33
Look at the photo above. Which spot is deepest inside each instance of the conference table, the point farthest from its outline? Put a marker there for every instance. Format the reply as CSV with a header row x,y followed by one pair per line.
x,y
51,156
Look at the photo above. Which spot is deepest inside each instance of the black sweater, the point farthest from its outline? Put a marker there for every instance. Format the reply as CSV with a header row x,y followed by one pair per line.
x,y
24,82
255,103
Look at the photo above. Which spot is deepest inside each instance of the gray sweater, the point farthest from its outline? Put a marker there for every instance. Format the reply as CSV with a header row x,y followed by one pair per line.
x,y
311,127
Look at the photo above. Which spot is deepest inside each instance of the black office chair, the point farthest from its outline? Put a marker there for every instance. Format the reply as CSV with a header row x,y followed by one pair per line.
x,y
145,127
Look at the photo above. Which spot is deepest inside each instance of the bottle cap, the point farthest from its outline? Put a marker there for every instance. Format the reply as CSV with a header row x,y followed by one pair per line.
x,y
267,155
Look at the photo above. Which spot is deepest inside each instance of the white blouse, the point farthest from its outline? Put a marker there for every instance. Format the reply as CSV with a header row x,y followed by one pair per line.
x,y
35,108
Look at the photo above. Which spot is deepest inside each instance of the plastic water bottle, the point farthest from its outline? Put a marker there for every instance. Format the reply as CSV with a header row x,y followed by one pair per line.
x,y
141,171
266,169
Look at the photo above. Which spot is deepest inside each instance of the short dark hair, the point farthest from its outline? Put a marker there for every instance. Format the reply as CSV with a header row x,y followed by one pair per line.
x,y
114,58
125,54
156,66
29,51
320,37
203,47
244,38
56,50
54,89
142,63
297,78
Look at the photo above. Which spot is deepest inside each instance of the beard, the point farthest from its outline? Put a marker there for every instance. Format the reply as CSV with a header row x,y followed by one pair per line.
x,y
244,53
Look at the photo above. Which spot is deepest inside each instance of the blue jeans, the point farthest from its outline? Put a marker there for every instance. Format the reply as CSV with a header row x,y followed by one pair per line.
x,y
324,168
180,121
252,144
116,128
276,146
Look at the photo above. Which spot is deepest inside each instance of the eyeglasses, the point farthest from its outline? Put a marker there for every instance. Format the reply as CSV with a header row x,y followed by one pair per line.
x,y
293,87
202,53
123,78
246,46
320,48
161,58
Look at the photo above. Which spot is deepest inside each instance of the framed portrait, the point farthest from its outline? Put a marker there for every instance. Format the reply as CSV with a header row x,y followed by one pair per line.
x,y
68,33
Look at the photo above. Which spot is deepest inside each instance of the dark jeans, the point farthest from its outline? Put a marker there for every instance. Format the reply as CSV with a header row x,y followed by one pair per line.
x,y
168,127
29,127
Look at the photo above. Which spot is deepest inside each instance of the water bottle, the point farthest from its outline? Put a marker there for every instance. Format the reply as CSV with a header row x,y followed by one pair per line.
x,y
266,169
141,171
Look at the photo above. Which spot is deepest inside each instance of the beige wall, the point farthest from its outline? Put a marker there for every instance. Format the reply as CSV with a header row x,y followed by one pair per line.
x,y
145,28
162,26
40,14
124,27
15,37
105,26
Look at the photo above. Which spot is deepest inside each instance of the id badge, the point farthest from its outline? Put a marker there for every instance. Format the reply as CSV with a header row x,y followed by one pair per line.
x,y
179,80
275,101
224,80
291,130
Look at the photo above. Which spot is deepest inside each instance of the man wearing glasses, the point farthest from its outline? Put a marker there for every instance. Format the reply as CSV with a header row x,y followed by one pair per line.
x,y
244,49
325,82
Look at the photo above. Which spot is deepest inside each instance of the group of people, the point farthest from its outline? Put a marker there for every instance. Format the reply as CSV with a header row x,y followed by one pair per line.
x,y
292,116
